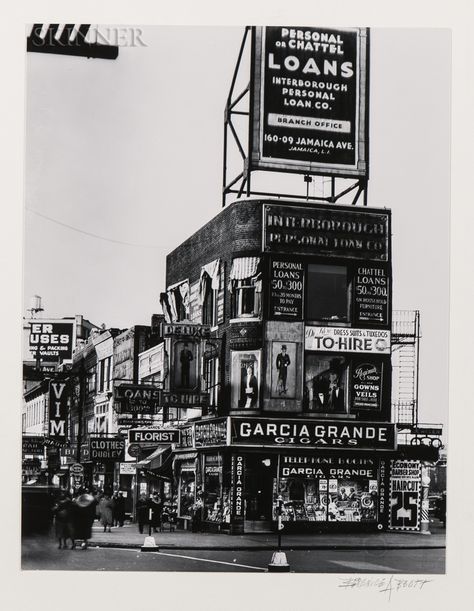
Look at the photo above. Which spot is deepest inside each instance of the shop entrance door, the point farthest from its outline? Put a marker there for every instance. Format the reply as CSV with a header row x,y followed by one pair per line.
x,y
258,488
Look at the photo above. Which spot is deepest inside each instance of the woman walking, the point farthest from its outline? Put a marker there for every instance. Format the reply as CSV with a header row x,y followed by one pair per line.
x,y
83,515
62,519
106,506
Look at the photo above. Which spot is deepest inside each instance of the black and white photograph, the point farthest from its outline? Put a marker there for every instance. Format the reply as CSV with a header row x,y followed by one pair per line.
x,y
235,321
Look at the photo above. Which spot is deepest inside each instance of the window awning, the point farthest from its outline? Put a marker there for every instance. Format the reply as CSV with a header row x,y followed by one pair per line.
x,y
209,273
244,267
155,459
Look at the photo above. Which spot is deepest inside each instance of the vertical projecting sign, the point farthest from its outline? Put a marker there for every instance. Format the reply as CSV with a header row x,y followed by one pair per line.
x,y
310,100
58,408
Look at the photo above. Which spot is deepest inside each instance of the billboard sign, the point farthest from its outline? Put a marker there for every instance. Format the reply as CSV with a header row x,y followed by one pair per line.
x,y
32,444
310,100
405,494
106,448
326,231
58,411
52,340
337,434
153,436
346,339
286,290
137,399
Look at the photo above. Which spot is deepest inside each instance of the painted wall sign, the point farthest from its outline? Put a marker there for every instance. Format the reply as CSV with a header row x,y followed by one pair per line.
x,y
310,99
245,379
107,448
405,494
185,399
345,339
52,340
371,294
286,290
366,385
128,468
320,230
32,444
210,433
284,370
58,411
155,436
312,434
328,466
237,487
187,330
137,399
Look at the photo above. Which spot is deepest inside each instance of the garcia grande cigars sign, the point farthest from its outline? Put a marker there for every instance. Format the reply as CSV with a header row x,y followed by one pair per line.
x,y
308,433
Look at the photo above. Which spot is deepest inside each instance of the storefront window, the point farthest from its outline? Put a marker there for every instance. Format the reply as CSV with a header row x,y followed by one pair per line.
x,y
213,509
327,295
187,493
338,489
325,387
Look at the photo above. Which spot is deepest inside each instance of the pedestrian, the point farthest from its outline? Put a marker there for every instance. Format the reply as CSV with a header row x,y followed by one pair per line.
x,y
196,515
106,506
63,519
119,508
156,507
83,515
142,512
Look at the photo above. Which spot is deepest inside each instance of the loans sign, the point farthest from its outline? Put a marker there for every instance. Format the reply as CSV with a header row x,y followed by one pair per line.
x,y
311,434
310,97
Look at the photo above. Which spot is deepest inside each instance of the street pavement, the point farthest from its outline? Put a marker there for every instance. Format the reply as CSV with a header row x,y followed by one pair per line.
x,y
186,551
128,536
41,553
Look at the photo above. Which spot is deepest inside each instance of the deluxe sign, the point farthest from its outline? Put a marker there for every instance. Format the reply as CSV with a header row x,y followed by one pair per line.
x,y
309,100
52,340
155,436
310,434
103,448
345,339
192,331
334,232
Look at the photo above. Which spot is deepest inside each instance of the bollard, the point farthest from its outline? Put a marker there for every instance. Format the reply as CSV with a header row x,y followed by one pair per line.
x,y
425,505
279,563
150,545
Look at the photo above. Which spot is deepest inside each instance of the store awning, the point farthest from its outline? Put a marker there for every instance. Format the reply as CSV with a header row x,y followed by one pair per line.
x,y
244,267
155,460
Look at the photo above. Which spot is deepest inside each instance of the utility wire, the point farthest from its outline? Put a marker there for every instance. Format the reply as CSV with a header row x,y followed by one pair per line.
x,y
92,235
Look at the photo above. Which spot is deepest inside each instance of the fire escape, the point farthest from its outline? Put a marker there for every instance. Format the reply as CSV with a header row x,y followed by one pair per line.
x,y
405,366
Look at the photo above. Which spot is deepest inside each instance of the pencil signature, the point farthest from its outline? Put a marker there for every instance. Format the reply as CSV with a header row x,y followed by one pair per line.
x,y
384,585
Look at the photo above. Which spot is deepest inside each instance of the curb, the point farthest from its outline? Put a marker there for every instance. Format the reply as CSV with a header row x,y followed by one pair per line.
x,y
247,548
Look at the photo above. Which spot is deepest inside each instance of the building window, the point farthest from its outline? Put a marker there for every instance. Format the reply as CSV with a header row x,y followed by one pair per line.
x,y
325,388
209,306
327,295
245,287
211,379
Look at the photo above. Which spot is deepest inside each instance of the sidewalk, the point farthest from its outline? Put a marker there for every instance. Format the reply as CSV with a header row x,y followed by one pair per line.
x,y
129,537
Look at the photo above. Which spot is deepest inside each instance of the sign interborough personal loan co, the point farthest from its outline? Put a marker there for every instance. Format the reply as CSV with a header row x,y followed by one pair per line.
x,y
310,100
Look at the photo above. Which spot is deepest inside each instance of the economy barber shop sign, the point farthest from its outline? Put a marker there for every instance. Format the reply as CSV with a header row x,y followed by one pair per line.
x,y
311,434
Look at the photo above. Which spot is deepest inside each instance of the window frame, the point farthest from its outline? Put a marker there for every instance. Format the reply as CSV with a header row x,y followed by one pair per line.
x,y
307,288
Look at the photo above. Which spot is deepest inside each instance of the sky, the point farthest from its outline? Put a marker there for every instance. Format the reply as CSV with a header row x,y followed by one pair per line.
x,y
131,150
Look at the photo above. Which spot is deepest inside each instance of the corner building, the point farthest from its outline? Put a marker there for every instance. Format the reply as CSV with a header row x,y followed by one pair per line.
x,y
292,364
